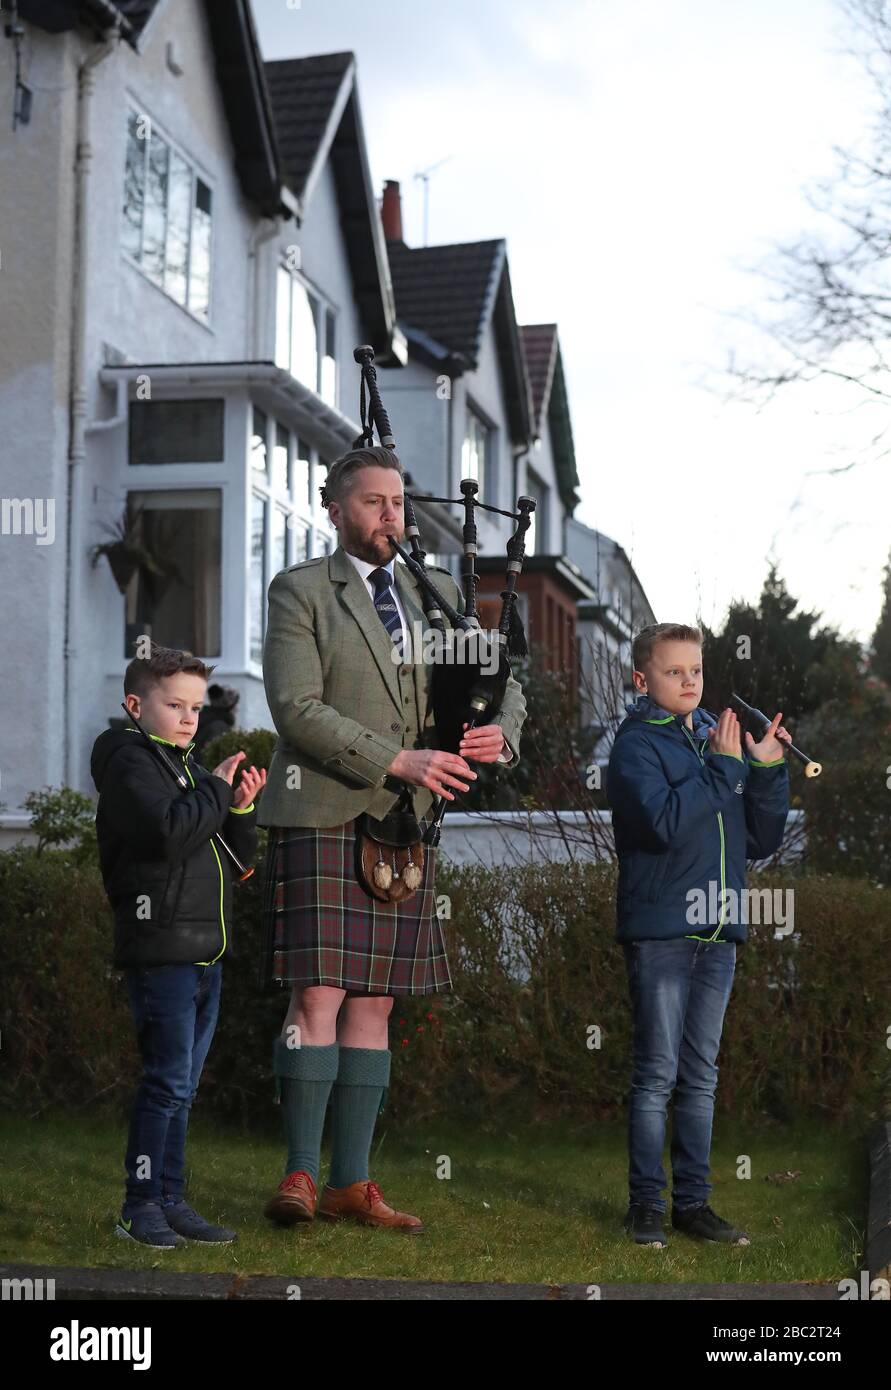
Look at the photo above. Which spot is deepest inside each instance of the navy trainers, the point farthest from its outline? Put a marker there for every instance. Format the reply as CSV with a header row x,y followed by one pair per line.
x,y
645,1225
186,1222
707,1225
144,1222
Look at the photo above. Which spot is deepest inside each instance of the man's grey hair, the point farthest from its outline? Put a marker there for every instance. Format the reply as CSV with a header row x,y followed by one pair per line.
x,y
342,473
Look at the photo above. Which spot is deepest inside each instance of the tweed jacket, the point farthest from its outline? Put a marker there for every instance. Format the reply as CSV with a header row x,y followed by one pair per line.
x,y
343,708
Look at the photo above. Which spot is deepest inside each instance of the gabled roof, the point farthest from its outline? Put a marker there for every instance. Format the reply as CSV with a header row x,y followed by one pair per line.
x,y
446,297
57,16
315,103
540,347
308,96
544,364
239,72
285,119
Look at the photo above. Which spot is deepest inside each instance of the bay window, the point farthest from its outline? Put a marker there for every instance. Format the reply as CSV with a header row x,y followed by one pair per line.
x,y
287,522
174,593
306,335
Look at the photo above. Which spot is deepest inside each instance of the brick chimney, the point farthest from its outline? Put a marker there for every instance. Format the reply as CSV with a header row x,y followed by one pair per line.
x,y
391,211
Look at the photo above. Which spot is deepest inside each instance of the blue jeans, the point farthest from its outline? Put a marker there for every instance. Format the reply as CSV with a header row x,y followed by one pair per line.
x,y
679,992
175,1009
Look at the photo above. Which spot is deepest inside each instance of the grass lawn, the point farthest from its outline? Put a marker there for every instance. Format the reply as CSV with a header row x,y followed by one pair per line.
x,y
524,1205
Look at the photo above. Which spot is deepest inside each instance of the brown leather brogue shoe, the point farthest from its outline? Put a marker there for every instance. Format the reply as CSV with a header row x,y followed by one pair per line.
x,y
294,1200
364,1202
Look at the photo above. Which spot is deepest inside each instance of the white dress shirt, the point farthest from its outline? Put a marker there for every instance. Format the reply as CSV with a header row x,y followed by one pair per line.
x,y
365,568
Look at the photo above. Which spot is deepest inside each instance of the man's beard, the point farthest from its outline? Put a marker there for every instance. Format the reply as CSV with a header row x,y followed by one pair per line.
x,y
365,547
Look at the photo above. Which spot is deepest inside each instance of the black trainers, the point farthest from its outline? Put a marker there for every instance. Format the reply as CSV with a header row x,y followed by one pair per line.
x,y
186,1222
707,1225
145,1222
645,1225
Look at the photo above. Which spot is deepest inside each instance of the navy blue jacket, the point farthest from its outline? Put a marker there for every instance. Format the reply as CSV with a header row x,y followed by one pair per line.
x,y
687,818
169,885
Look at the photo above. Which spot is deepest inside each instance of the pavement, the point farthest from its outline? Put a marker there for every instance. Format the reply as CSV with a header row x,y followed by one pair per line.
x,y
146,1285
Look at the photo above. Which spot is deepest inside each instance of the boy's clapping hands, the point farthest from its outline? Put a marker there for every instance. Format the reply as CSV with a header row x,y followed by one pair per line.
x,y
771,745
252,779
725,738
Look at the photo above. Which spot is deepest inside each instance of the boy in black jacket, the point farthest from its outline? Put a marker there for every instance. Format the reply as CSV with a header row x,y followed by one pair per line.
x,y
171,891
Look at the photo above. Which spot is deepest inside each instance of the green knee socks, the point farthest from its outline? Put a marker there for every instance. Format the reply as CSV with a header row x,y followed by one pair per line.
x,y
362,1078
304,1077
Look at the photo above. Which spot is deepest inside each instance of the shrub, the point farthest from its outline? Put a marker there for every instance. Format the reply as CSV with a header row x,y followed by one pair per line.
x,y
535,969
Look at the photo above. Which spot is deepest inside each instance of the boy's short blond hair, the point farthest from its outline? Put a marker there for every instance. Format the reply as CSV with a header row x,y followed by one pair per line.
x,y
648,637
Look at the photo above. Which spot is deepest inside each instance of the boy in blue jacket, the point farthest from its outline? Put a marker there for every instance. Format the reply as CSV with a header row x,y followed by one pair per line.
x,y
688,811
171,891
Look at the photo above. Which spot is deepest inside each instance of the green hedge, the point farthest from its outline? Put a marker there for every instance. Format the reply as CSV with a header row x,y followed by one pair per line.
x,y
806,1030
848,818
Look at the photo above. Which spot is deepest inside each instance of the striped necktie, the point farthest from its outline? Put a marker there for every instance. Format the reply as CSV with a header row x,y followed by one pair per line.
x,y
385,604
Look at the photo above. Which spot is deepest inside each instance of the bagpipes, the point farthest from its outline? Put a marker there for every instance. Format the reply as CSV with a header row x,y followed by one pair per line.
x,y
811,769
468,685
166,761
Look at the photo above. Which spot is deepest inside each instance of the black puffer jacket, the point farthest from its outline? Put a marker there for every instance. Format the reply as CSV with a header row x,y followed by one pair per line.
x,y
168,883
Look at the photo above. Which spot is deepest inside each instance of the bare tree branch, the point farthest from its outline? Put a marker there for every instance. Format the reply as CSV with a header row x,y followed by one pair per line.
x,y
833,293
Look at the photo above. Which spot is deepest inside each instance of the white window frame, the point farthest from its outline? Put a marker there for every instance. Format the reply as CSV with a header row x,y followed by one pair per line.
x,y
541,492
321,306
135,107
473,411
313,516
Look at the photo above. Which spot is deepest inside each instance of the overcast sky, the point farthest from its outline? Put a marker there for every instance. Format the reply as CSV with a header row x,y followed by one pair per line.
x,y
638,156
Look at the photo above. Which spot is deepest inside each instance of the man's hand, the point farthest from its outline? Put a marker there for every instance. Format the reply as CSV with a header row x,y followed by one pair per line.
x,y
483,744
771,745
724,736
432,768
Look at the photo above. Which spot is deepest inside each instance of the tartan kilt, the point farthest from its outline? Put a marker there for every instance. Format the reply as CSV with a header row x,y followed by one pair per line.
x,y
322,928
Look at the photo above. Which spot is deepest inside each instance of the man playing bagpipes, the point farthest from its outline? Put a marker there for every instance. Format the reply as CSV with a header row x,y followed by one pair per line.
x,y
351,919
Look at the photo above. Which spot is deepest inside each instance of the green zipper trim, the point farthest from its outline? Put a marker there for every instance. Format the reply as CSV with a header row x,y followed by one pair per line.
x,y
666,720
692,936
131,729
220,867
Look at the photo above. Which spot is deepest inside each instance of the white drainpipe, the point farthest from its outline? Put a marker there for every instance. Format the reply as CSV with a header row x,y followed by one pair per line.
x,y
77,391
260,235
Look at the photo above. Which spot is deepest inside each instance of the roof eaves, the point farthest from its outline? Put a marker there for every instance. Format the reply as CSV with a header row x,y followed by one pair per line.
x,y
332,125
376,227
560,422
513,361
455,363
549,379
237,61
490,298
